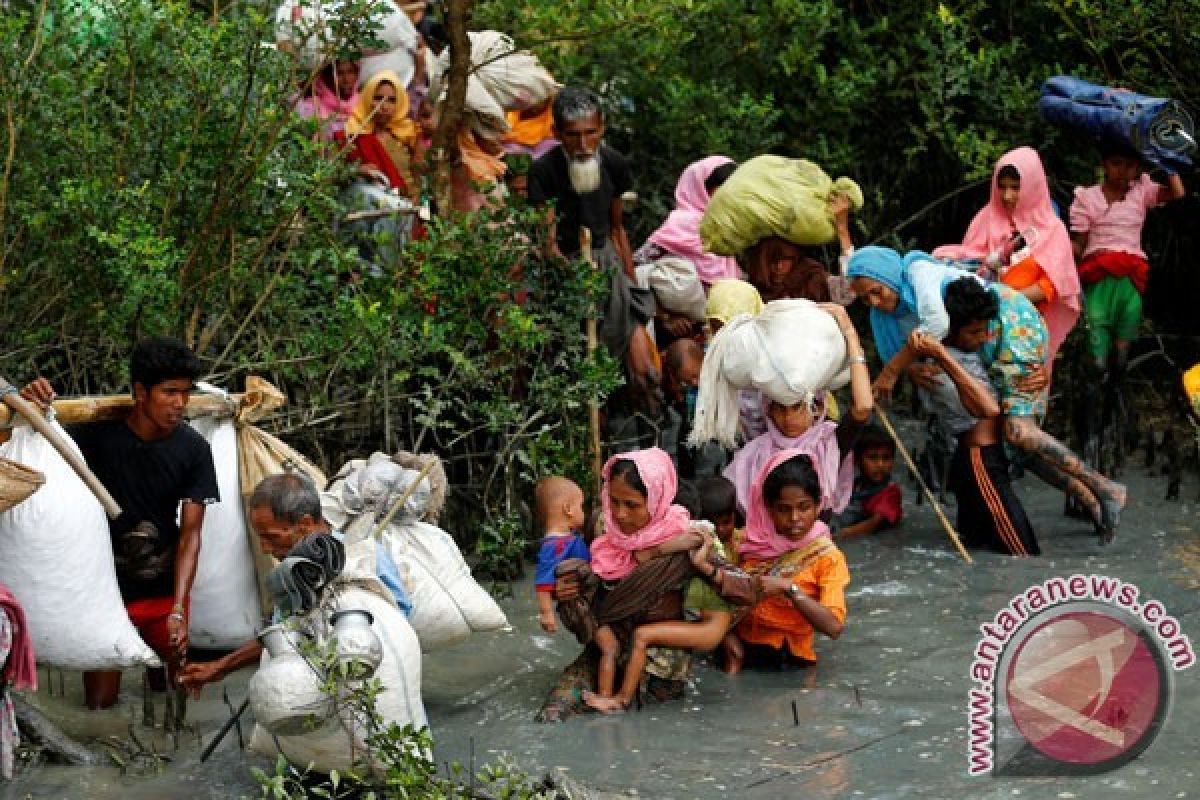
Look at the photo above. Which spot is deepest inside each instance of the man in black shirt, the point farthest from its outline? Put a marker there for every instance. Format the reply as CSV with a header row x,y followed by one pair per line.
x,y
585,179
155,466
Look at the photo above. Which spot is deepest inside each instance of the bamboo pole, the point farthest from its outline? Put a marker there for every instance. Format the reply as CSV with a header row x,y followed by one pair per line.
x,y
593,341
953,534
72,410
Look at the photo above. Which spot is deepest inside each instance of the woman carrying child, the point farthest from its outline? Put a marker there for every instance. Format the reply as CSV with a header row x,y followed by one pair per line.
x,y
640,565
803,573
803,426
1019,235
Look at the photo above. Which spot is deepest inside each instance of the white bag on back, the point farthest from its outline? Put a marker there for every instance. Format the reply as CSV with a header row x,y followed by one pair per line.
x,y
331,745
225,606
56,557
396,31
789,352
677,287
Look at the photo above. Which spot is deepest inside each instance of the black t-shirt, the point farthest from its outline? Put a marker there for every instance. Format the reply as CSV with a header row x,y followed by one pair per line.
x,y
148,480
549,182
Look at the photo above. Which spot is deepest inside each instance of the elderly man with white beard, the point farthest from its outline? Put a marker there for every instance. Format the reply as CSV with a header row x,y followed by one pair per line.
x,y
584,179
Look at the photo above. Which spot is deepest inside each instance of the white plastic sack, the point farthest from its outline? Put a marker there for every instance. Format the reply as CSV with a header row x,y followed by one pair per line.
x,y
514,78
224,601
396,31
339,742
56,557
790,351
448,605
302,28
677,287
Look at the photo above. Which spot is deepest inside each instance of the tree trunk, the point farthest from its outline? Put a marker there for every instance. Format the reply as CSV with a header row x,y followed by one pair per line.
x,y
444,150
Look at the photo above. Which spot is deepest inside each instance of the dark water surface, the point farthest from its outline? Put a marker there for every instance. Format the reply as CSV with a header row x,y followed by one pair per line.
x,y
883,715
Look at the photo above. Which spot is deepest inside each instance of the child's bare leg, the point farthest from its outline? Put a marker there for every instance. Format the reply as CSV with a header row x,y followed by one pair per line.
x,y
606,673
734,652
1052,476
703,635
1023,432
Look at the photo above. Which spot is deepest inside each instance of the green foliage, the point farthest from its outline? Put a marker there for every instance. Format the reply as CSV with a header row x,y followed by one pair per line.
x,y
159,183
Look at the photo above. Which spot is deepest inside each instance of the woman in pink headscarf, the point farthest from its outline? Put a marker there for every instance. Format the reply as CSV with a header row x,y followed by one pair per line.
x,y
332,96
803,573
1020,236
803,427
680,234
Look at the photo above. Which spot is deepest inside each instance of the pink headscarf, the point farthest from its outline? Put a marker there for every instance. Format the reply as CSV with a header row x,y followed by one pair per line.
x,y
819,442
761,539
21,669
993,226
323,102
612,552
680,234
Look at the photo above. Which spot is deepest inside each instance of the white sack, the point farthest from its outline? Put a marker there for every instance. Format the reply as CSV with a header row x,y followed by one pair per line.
x,y
514,78
447,604
56,557
302,28
790,351
396,31
224,601
331,746
677,287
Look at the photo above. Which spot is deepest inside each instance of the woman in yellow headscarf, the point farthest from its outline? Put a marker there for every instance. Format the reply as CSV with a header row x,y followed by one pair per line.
x,y
383,136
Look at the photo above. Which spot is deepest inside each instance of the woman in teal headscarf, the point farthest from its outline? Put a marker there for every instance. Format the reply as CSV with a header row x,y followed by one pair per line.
x,y
904,294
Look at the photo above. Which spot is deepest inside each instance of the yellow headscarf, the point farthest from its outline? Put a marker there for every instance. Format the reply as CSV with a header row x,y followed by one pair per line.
x,y
362,119
728,298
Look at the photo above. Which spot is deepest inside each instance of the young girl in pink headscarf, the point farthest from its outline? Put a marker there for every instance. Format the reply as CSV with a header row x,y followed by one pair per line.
x,y
804,574
804,427
1020,236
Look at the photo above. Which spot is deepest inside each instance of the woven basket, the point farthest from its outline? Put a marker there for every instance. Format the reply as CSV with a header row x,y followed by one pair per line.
x,y
17,482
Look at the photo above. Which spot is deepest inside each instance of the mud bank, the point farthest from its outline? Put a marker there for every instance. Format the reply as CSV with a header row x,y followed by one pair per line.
x,y
883,715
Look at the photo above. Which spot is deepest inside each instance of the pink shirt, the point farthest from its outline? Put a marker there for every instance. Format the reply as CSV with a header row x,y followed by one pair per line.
x,y
1116,227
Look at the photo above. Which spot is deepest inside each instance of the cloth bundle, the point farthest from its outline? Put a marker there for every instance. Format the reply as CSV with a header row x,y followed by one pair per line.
x,y
502,79
306,29
790,352
1158,129
774,196
296,584
676,286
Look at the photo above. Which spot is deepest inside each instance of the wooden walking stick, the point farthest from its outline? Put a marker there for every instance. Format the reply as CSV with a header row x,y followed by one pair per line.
x,y
937,509
593,341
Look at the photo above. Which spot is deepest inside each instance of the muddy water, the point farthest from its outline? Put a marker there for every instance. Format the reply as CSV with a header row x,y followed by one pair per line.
x,y
881,716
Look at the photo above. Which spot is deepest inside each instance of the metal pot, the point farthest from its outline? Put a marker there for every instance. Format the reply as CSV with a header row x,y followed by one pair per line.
x,y
359,650
285,693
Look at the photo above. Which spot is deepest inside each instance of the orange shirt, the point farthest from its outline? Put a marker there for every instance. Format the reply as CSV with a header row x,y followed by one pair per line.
x,y
775,622
1026,273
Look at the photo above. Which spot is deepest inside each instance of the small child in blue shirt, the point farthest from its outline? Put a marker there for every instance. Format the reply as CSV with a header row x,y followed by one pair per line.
x,y
559,504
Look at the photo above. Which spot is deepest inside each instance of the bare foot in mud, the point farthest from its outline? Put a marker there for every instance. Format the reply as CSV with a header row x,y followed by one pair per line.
x,y
1111,505
605,705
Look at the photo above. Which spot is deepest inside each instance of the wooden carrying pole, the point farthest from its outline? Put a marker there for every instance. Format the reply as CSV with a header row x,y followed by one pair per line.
x,y
19,405
953,534
71,411
593,341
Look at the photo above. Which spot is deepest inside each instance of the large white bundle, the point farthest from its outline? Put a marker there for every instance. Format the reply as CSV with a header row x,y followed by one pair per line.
x,y
56,557
677,287
302,28
338,743
448,605
789,352
225,607
397,33
514,78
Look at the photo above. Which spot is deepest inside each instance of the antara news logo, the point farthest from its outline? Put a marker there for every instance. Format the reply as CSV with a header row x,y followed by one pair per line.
x,y
1073,677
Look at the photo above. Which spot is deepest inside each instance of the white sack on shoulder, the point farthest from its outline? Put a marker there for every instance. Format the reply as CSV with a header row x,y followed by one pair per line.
x,y
224,602
677,287
399,37
789,352
56,557
448,605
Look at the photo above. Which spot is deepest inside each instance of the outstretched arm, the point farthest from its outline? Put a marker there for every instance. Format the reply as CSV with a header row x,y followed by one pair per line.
x,y
860,376
976,398
1174,190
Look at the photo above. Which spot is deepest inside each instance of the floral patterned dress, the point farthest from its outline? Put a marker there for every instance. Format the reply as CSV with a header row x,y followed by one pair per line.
x,y
1017,342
